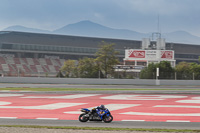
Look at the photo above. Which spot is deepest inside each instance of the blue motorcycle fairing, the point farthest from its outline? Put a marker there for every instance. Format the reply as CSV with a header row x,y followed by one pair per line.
x,y
101,113
85,109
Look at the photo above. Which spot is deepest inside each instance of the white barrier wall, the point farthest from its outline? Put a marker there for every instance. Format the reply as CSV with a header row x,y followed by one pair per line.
x,y
39,80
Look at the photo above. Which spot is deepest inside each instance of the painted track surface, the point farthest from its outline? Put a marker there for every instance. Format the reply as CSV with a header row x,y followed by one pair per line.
x,y
124,107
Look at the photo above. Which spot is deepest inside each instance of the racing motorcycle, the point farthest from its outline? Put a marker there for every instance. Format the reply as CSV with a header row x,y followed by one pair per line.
x,y
97,115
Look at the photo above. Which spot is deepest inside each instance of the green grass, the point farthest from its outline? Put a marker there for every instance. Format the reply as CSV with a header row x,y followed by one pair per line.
x,y
105,128
84,89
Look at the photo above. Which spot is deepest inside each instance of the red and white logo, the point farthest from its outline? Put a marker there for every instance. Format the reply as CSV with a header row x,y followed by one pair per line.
x,y
137,54
167,54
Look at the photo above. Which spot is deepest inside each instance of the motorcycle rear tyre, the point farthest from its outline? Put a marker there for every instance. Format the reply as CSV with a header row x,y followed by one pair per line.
x,y
107,121
83,119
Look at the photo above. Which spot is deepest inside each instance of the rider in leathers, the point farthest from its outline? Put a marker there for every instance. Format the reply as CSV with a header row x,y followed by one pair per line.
x,y
101,107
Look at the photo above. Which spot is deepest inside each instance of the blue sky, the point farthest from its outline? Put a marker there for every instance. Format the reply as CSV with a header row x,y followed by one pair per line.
x,y
137,15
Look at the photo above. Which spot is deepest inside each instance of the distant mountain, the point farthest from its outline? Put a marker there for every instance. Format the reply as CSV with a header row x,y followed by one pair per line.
x,y
181,37
25,29
91,29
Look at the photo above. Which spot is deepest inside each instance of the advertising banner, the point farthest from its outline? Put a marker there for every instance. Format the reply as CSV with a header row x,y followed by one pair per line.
x,y
167,54
135,54
151,54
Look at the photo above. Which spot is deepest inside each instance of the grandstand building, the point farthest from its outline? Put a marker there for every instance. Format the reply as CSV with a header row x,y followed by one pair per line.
x,y
35,54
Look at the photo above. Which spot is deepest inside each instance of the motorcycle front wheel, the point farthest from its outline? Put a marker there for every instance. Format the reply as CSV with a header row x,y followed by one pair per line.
x,y
82,118
107,119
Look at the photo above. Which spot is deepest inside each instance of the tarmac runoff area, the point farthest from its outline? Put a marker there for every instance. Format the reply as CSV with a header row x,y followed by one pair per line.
x,y
169,124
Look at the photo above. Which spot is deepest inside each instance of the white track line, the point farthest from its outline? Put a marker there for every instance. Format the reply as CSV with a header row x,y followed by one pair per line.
x,y
74,96
177,106
161,114
176,121
8,117
47,106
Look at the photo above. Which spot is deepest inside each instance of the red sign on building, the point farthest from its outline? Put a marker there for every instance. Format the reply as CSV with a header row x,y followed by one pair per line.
x,y
167,54
137,54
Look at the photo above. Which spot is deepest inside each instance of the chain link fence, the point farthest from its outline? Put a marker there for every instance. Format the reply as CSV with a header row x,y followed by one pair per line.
x,y
171,75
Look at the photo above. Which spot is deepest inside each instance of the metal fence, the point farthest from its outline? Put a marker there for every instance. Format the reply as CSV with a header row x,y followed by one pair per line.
x,y
117,75
172,76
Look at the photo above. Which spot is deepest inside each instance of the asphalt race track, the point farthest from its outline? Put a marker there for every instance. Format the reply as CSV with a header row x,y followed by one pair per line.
x,y
136,109
114,124
3,85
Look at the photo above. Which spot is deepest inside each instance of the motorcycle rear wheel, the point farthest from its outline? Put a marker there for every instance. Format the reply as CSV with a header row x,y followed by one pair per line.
x,y
107,119
82,118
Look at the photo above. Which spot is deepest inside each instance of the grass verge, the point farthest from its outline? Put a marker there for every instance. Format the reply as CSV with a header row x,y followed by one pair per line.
x,y
105,128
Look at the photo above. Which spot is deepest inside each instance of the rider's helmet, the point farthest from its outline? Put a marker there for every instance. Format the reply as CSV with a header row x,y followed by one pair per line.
x,y
102,106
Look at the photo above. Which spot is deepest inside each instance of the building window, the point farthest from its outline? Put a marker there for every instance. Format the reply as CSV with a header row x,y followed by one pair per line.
x,y
7,46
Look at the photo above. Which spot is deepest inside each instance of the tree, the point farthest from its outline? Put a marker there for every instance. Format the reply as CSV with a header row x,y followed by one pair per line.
x,y
183,70
101,66
187,70
59,74
70,69
88,68
107,58
148,72
199,59
195,69
165,71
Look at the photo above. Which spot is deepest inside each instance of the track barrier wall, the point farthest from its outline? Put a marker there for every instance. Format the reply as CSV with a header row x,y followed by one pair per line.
x,y
41,80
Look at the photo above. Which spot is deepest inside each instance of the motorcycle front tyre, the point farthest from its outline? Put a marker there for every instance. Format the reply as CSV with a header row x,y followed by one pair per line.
x,y
107,119
82,118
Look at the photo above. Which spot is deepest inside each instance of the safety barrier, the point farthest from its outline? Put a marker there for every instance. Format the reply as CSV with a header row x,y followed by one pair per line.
x,y
46,80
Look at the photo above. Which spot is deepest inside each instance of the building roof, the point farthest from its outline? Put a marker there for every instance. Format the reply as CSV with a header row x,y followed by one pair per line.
x,y
63,40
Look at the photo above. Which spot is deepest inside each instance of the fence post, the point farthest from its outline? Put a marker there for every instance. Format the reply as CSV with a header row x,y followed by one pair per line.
x,y
99,74
175,76
193,76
